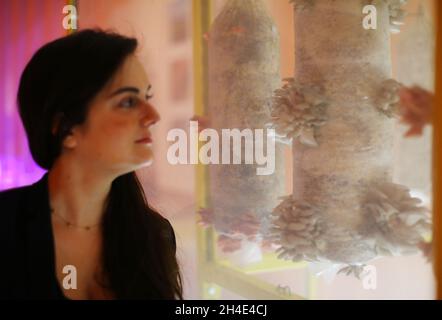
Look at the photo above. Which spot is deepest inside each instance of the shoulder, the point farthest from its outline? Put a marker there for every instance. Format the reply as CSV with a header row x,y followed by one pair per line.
x,y
12,201
18,200
13,205
12,196
20,204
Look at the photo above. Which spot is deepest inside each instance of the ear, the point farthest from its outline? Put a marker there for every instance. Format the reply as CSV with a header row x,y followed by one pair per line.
x,y
70,140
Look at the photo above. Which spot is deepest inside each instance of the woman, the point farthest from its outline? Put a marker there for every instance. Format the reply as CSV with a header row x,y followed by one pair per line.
x,y
85,230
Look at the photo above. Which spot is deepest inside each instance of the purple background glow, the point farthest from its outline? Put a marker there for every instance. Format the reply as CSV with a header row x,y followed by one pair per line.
x,y
25,25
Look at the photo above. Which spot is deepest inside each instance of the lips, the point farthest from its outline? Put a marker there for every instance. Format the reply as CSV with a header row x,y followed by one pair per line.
x,y
144,140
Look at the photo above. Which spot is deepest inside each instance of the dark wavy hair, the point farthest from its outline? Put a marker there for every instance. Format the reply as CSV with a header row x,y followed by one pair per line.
x,y
57,86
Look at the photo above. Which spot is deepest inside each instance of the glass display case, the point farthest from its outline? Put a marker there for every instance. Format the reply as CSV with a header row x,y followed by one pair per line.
x,y
311,164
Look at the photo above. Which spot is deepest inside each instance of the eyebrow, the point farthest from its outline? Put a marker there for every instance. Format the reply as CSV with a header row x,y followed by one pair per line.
x,y
128,89
125,89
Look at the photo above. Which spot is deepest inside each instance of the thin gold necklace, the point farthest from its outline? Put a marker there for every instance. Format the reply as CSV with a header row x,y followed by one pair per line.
x,y
72,225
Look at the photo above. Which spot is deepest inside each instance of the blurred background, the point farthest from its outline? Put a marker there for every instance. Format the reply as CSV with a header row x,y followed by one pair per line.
x,y
165,32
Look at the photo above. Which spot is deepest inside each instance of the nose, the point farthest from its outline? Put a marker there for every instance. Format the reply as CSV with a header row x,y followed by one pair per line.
x,y
150,116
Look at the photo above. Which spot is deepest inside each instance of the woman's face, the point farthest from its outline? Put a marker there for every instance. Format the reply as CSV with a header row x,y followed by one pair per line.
x,y
115,135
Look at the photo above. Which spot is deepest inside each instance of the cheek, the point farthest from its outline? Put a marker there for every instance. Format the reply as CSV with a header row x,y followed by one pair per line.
x,y
114,135
118,128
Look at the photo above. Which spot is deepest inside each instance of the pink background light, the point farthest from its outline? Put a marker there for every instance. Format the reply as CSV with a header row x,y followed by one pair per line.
x,y
25,25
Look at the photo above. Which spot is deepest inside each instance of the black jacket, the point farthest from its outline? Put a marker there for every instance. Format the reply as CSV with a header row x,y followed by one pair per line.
x,y
27,263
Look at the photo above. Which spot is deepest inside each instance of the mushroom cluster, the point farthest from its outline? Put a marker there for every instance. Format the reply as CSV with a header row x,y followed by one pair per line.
x,y
399,223
297,228
297,111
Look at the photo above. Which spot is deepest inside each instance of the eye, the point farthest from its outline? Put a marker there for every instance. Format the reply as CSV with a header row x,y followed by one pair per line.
x,y
129,102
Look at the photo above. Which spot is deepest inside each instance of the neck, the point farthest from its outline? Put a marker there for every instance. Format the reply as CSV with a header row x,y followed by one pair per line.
x,y
78,192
